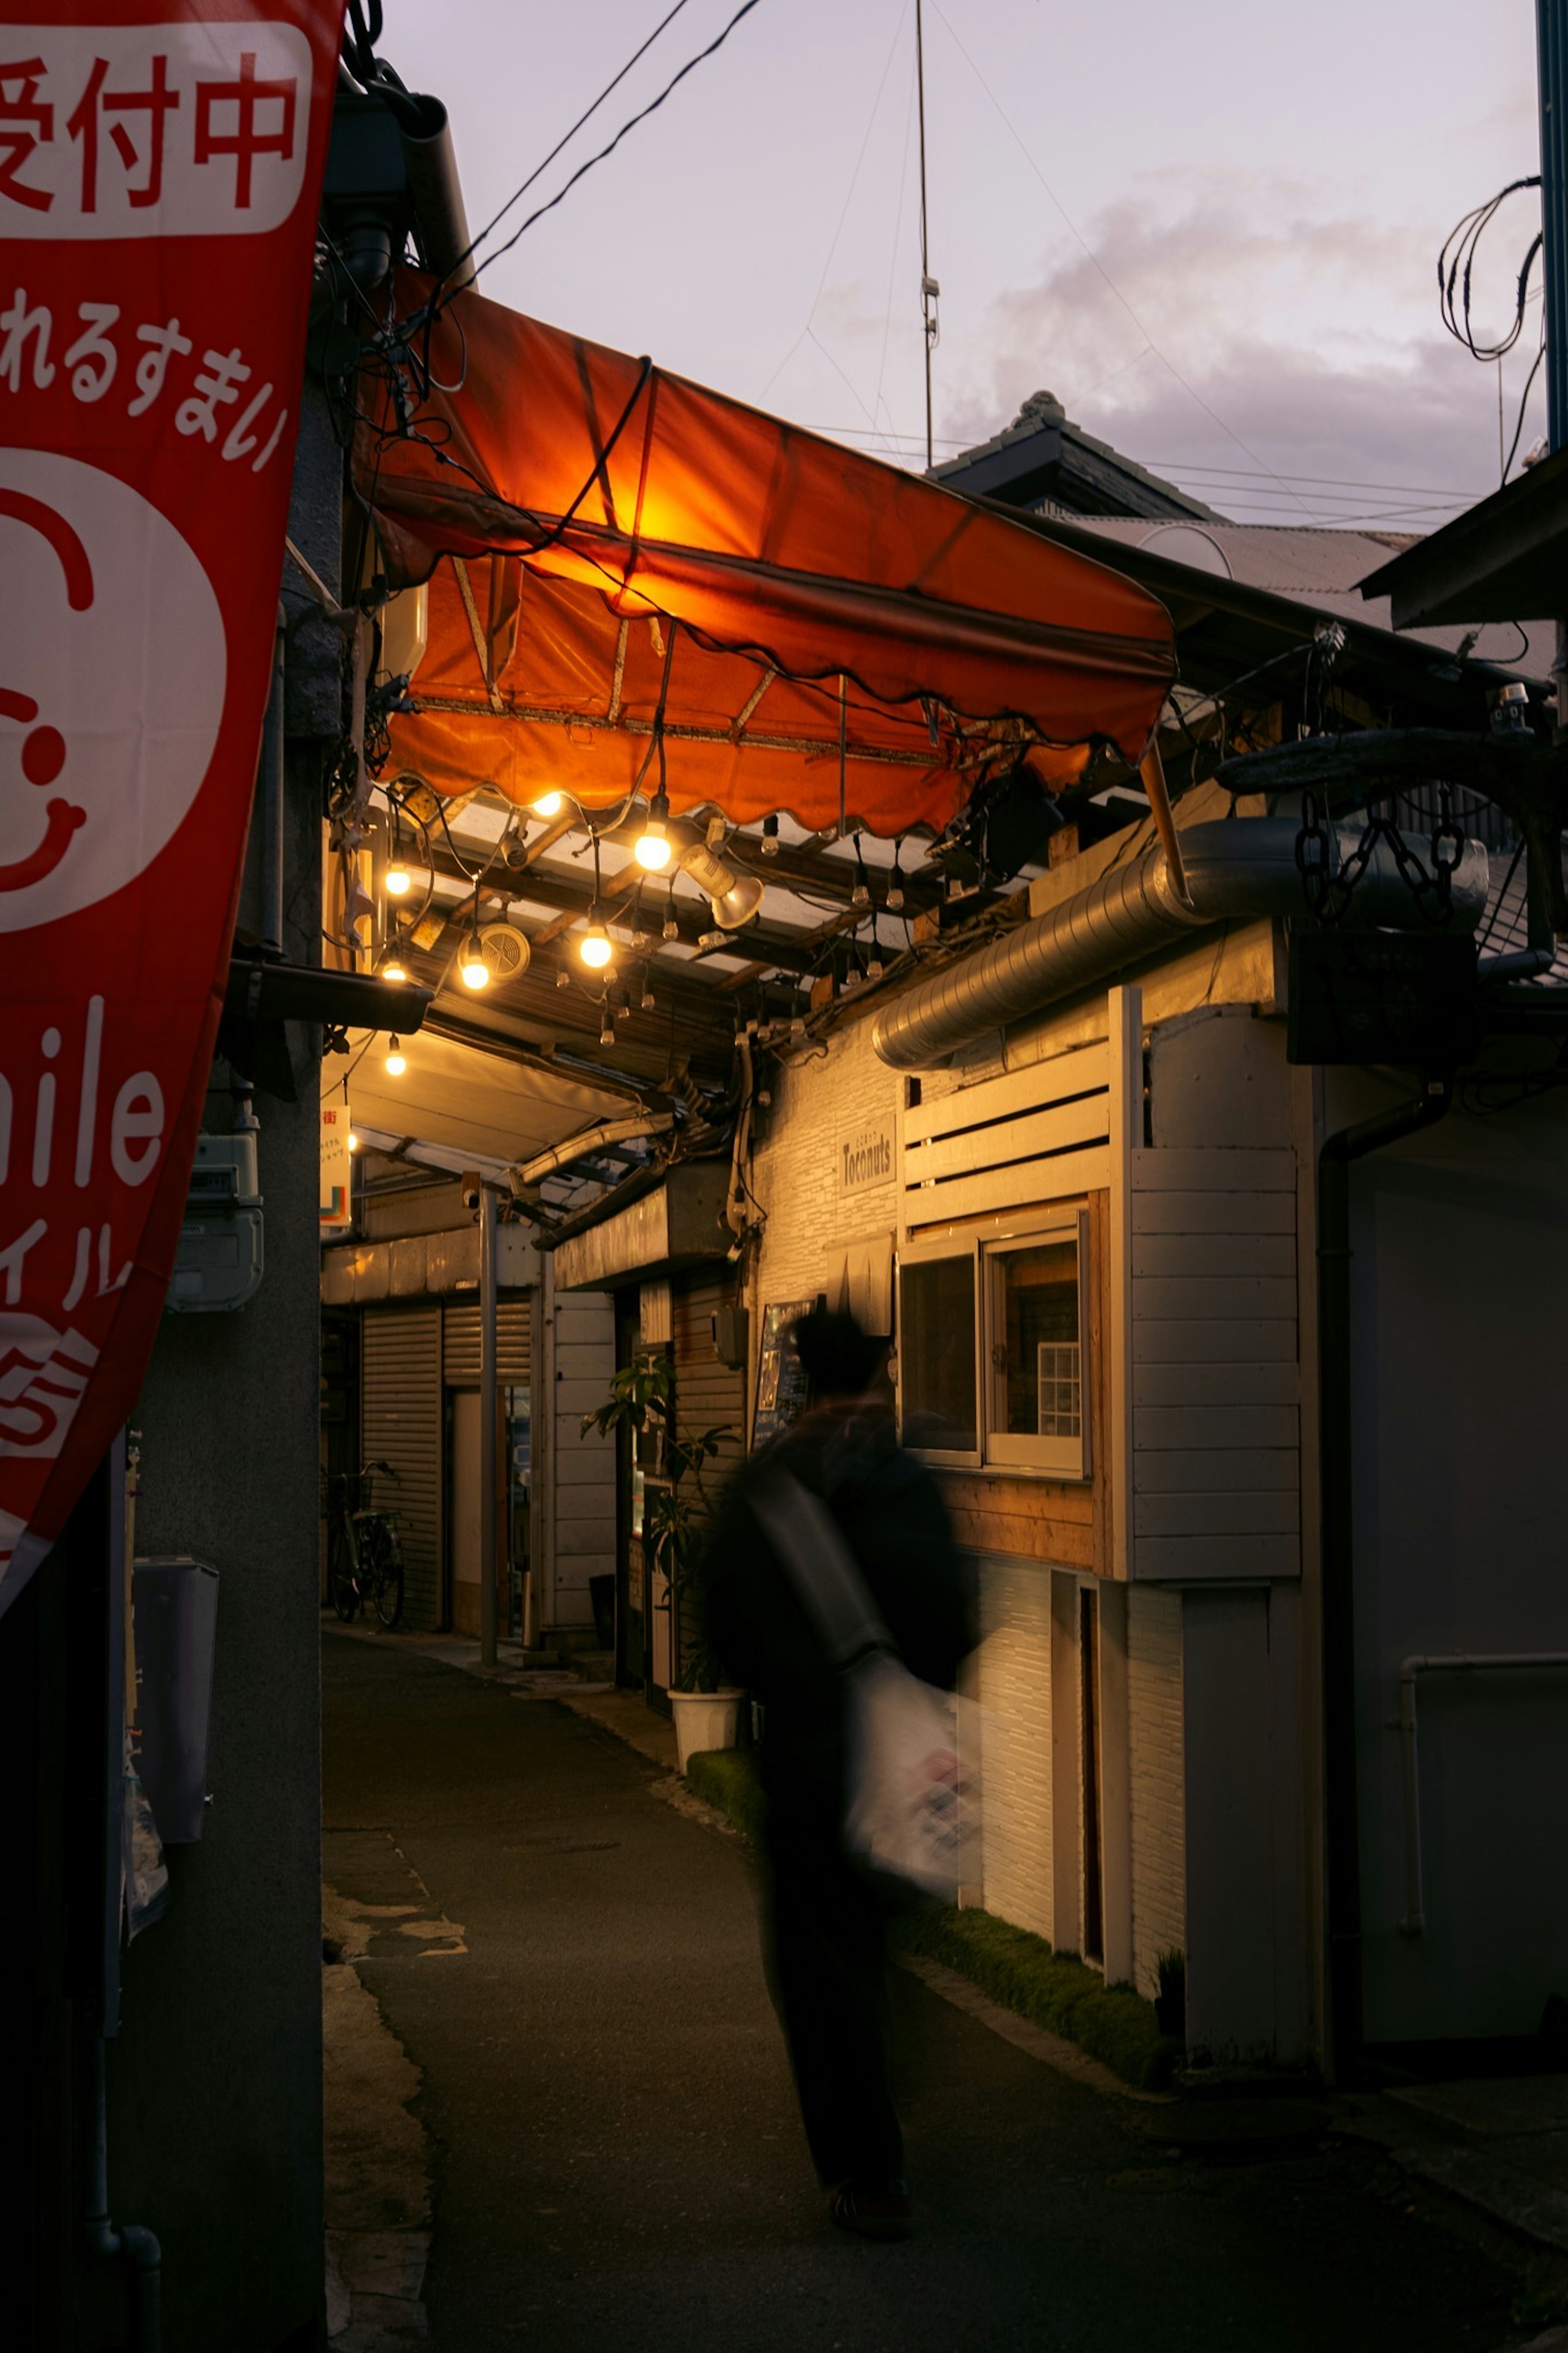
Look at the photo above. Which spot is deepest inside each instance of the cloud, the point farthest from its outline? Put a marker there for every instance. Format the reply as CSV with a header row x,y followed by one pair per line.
x,y
1227,328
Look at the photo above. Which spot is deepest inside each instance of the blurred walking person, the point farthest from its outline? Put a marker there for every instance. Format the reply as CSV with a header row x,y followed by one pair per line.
x,y
826,1915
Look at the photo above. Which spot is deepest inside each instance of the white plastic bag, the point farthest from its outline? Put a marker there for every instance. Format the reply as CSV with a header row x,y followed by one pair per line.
x,y
913,1808
913,1804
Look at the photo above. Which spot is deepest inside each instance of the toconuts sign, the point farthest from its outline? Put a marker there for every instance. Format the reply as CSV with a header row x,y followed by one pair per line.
x,y
865,1154
160,174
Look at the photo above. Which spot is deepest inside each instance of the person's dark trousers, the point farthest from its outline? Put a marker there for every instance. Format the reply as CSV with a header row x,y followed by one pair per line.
x,y
829,1969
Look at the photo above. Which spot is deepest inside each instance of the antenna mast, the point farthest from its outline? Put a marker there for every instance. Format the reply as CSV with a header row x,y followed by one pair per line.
x,y
930,289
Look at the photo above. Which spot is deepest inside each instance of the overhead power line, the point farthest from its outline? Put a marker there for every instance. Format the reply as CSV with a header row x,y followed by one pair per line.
x,y
671,86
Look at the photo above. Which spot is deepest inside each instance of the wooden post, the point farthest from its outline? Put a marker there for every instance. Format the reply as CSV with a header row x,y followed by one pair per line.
x,y
488,1414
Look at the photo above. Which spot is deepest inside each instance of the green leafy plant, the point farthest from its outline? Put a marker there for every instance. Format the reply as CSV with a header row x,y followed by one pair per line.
x,y
676,1515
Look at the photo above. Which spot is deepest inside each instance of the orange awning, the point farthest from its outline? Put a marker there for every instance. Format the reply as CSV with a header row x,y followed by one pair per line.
x,y
820,599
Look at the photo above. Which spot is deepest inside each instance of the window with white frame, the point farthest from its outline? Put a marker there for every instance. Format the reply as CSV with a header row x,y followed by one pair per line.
x,y
993,1326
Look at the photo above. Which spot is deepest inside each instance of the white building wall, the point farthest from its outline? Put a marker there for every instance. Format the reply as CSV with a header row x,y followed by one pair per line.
x,y
819,1101
1014,1693
1159,1812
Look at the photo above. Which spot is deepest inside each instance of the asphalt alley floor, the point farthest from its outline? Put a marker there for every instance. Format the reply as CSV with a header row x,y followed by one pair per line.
x,y
617,2157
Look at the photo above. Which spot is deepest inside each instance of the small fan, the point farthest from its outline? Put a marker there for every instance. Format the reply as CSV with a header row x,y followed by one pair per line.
x,y
505,949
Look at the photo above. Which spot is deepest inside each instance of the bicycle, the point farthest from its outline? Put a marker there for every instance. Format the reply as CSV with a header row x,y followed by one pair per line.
x,y
364,1559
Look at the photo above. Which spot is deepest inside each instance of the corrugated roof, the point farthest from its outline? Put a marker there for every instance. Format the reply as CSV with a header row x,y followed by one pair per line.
x,y
1320,568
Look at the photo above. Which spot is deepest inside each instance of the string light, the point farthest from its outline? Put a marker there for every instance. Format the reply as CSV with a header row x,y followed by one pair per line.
x,y
474,970
353,1140
769,844
393,966
397,879
549,804
595,947
653,844
396,1059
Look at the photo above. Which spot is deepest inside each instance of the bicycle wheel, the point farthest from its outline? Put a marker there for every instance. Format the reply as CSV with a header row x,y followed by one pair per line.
x,y
341,1583
383,1571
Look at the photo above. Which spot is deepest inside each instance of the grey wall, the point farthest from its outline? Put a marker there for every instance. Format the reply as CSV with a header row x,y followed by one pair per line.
x,y
1460,1298
215,2077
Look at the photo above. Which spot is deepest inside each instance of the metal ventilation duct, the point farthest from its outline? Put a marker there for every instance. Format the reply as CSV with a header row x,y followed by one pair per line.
x,y
1238,870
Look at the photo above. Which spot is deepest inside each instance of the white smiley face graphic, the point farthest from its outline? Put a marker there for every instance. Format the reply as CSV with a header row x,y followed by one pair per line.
x,y
113,662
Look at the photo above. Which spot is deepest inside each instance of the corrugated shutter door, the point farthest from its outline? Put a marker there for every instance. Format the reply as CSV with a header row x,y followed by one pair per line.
x,y
400,1422
461,1342
708,1394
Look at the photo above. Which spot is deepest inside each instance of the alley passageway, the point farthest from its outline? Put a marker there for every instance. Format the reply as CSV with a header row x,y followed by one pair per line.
x,y
616,2155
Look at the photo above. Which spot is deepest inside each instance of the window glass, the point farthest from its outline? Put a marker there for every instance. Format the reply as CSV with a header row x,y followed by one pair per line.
x,y
936,1354
1036,1351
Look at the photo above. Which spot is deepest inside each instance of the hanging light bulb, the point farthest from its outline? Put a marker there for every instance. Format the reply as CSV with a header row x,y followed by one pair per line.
x,y
624,1009
653,846
595,947
471,963
396,1059
397,879
393,966
549,804
606,1028
562,977
771,837
670,928
647,1000
353,1140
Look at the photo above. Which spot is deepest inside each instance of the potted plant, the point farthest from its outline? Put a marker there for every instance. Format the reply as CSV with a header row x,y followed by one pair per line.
x,y
707,1712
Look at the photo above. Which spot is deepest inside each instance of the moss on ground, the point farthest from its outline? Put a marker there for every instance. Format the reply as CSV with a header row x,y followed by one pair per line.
x,y
1057,1991
726,1778
1113,2024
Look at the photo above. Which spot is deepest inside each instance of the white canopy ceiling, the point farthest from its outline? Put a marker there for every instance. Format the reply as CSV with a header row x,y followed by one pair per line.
x,y
461,1098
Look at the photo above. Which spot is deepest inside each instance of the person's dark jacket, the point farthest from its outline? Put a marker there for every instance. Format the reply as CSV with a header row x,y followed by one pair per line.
x,y
893,1519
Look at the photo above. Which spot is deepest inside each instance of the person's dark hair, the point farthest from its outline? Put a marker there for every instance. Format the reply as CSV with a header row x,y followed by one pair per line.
x,y
838,1357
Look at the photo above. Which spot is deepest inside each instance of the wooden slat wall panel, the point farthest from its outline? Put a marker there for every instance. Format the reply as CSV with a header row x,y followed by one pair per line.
x,y
1215,1379
400,1420
461,1342
1034,1136
1055,1081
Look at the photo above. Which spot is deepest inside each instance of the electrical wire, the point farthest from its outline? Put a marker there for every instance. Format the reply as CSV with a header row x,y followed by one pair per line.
x,y
1456,269
1191,390
588,113
437,301
1523,404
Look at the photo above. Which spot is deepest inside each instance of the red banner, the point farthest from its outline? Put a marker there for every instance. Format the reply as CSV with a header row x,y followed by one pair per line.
x,y
160,177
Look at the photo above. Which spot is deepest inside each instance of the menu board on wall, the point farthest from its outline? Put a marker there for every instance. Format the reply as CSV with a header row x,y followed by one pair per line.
x,y
780,1377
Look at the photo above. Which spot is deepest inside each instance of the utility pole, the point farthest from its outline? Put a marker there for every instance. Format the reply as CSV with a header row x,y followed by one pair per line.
x,y
930,289
489,1414
1552,55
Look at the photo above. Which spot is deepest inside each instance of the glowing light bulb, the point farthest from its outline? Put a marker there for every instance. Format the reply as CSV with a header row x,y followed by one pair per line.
x,y
595,946
653,848
396,1059
398,880
548,803
394,968
353,1140
472,966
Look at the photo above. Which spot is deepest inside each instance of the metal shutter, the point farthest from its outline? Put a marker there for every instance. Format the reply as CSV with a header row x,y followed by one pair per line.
x,y
400,1420
461,1342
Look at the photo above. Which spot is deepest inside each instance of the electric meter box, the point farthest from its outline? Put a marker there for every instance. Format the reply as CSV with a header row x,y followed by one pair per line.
x,y
218,1263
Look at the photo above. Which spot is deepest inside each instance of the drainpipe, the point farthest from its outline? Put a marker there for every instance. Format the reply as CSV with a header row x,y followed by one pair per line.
x,y
128,2242
1336,1474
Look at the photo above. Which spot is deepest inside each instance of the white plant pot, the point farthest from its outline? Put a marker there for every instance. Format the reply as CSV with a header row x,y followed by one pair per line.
x,y
704,1720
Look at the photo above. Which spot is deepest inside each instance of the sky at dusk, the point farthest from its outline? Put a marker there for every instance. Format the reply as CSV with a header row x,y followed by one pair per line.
x,y
1212,230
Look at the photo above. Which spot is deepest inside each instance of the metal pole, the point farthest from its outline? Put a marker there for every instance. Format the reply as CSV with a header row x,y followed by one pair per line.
x,y
928,283
1552,55
488,1404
